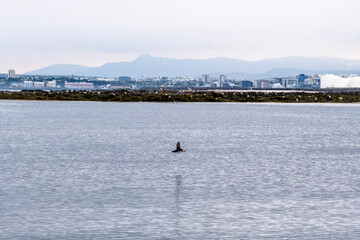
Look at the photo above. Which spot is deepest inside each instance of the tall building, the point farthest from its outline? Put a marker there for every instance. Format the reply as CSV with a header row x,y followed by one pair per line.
x,y
205,78
11,73
222,79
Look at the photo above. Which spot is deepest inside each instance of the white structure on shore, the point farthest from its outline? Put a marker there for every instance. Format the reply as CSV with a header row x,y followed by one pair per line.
x,y
343,81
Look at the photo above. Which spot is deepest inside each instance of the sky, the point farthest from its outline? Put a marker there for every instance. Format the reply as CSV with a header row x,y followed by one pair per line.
x,y
39,33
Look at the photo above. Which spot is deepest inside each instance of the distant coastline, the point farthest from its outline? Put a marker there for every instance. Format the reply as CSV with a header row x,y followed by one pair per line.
x,y
186,96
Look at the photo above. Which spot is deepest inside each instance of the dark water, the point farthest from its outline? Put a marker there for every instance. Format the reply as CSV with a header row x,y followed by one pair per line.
x,y
88,170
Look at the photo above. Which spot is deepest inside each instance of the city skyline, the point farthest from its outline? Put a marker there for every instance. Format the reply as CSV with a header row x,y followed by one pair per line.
x,y
39,33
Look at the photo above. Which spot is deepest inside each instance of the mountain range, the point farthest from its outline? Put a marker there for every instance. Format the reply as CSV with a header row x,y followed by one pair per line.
x,y
149,66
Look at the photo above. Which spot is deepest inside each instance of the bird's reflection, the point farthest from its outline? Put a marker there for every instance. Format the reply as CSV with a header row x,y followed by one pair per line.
x,y
178,182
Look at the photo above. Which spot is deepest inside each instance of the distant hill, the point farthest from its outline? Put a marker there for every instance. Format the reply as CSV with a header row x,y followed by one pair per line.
x,y
149,66
61,69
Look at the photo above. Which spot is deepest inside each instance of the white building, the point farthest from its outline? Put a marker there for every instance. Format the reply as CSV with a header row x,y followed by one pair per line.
x,y
79,85
28,84
11,73
343,81
51,84
39,84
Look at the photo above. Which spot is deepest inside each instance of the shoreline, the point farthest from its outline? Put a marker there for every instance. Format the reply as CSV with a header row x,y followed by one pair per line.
x,y
168,96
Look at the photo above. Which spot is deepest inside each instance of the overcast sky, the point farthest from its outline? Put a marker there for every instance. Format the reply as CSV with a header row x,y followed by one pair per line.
x,y
38,33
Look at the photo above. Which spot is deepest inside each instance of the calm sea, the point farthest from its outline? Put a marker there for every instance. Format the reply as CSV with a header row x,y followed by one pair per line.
x,y
91,170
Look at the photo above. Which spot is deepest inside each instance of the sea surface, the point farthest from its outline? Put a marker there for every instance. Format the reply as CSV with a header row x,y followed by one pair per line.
x,y
92,170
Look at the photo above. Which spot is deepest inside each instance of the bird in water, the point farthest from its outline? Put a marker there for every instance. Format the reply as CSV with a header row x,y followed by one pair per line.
x,y
178,148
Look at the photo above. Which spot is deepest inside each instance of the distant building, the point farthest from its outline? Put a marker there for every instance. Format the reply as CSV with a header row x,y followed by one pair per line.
x,y
277,80
125,79
144,84
264,84
344,81
247,84
301,79
28,84
291,82
79,85
222,79
51,84
39,84
11,73
205,78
